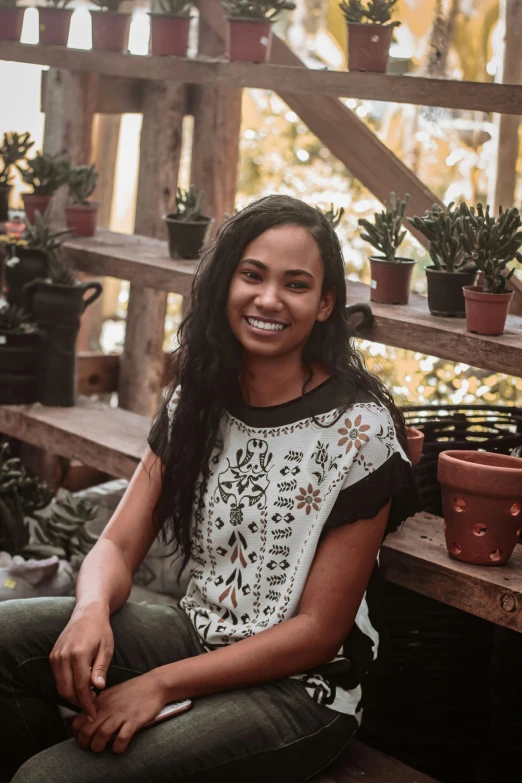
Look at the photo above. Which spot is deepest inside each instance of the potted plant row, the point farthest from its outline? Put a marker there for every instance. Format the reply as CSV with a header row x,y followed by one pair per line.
x,y
14,149
188,227
370,31
249,27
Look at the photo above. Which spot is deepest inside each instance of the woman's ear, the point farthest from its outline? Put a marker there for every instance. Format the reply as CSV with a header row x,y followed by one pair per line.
x,y
327,305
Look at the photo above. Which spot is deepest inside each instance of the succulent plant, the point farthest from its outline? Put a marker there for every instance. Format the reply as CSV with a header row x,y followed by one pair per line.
x,y
439,225
57,3
82,181
256,9
189,204
60,273
112,6
13,318
369,12
385,233
14,147
178,8
45,173
334,216
491,242
41,236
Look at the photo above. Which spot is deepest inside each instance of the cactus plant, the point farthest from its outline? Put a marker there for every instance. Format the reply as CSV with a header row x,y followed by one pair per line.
x,y
112,6
82,181
439,226
45,173
14,147
178,8
256,9
385,233
14,318
57,3
60,273
491,242
334,216
189,204
369,12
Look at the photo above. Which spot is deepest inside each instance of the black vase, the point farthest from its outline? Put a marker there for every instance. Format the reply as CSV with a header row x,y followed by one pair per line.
x,y
5,192
27,265
445,295
187,237
20,354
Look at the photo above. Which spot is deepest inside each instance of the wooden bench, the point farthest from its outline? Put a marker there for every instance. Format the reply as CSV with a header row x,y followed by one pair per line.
x,y
360,763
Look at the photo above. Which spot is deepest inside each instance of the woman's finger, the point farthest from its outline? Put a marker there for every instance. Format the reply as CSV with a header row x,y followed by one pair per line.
x,y
101,665
124,736
82,685
64,679
105,733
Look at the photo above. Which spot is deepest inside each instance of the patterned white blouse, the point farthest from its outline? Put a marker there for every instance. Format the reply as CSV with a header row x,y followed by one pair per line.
x,y
279,483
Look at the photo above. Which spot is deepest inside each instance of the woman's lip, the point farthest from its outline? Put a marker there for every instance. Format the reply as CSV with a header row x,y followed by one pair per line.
x,y
266,320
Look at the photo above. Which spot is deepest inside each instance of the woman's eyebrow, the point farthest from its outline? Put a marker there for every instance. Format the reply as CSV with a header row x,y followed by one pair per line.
x,y
288,273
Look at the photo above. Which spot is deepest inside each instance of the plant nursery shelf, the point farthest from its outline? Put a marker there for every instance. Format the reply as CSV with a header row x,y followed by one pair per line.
x,y
109,439
416,557
480,96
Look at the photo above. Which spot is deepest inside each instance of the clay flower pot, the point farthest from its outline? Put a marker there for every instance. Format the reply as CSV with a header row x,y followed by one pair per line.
x,y
54,24
486,313
482,502
368,47
11,21
391,280
169,35
82,218
249,40
110,31
415,444
35,203
445,292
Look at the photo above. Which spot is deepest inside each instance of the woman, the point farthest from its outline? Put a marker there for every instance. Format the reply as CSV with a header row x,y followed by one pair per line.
x,y
275,470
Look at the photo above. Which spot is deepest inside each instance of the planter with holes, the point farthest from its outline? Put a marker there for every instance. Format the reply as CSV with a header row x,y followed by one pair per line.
x,y
482,502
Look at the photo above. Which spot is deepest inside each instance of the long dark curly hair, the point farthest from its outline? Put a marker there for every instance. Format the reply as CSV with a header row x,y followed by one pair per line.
x,y
207,362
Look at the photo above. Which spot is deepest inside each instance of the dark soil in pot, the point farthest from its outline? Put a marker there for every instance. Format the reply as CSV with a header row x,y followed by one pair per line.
x,y
391,280
110,31
5,192
248,40
11,22
445,294
54,24
368,47
169,35
187,237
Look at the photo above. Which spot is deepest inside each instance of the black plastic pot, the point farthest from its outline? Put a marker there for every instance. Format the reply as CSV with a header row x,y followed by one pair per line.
x,y
445,294
187,237
5,191
31,264
57,309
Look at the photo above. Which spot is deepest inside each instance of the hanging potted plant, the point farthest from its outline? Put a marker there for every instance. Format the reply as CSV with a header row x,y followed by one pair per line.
x,y
249,29
491,243
451,268
55,21
20,348
370,32
391,274
58,303
188,228
482,502
45,174
14,148
11,20
81,214
169,28
110,29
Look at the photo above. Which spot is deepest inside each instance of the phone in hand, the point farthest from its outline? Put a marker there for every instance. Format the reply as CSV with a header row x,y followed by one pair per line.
x,y
168,711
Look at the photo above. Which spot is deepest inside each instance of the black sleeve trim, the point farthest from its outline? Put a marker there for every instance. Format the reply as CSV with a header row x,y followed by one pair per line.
x,y
393,480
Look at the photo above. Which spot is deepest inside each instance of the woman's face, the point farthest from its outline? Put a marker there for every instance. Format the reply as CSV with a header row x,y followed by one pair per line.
x,y
275,297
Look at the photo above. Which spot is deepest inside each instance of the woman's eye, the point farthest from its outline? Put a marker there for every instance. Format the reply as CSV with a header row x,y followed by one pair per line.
x,y
254,276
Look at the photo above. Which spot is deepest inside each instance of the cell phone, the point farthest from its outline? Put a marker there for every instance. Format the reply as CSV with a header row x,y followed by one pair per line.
x,y
168,711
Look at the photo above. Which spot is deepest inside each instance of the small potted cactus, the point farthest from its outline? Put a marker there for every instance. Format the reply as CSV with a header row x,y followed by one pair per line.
x,y
391,274
169,27
81,214
14,148
451,268
188,228
54,22
249,30
110,28
333,215
20,349
491,243
370,31
11,20
45,174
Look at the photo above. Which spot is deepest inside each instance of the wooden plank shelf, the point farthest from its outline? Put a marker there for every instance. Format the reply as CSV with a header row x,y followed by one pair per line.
x,y
109,439
416,557
446,93
359,762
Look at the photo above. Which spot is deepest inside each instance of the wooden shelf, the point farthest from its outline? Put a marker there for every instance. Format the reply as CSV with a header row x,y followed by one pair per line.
x,y
416,557
479,96
109,439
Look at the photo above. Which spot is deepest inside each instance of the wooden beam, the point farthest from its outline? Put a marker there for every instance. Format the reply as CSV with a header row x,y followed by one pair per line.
x,y
359,762
110,439
416,557
446,93
120,95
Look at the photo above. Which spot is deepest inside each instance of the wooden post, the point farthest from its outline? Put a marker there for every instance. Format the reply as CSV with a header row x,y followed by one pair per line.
x,y
160,150
217,124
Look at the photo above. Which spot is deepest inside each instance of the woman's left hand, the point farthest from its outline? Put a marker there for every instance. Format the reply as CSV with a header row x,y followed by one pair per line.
x,y
120,712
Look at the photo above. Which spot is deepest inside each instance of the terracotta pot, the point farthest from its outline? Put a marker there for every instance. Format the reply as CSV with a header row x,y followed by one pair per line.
x,y
5,192
368,47
482,502
445,294
54,25
486,313
110,31
169,35
187,237
391,280
11,21
248,40
35,203
82,218
415,444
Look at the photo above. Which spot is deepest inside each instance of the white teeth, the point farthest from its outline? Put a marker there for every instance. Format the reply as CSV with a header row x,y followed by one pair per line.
x,y
264,325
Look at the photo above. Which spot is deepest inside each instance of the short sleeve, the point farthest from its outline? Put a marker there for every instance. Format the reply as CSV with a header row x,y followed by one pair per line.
x,y
158,438
379,470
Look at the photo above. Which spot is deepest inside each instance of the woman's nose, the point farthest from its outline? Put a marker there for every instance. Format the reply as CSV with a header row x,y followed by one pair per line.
x,y
269,298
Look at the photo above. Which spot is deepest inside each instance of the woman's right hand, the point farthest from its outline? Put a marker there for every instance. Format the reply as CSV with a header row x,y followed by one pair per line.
x,y
86,641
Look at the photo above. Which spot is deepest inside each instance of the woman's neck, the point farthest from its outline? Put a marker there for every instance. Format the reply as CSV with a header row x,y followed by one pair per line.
x,y
266,383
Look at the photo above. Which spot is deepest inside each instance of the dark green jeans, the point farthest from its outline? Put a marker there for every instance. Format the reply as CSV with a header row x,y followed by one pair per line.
x,y
261,734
